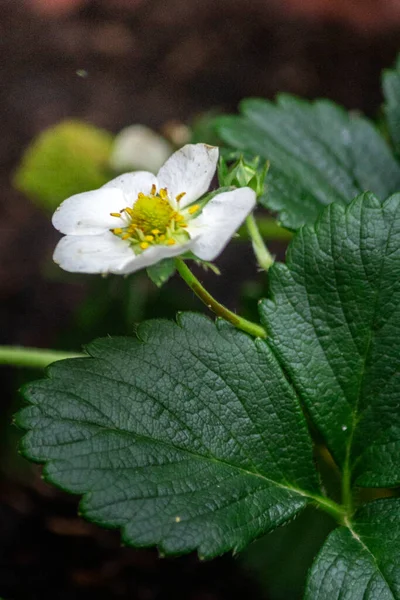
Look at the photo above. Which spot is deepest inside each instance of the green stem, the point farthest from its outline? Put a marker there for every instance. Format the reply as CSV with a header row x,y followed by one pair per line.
x,y
347,492
216,307
269,229
334,509
264,258
35,358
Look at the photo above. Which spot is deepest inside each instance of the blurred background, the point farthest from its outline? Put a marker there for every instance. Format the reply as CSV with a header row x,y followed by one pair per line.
x,y
166,64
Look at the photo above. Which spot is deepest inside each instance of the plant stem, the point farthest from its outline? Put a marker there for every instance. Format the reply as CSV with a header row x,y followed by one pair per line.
x,y
336,511
347,493
216,307
35,358
268,228
264,258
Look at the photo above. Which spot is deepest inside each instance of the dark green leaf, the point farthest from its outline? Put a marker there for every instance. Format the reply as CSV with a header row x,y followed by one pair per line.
x,y
281,560
189,437
161,271
334,324
361,562
391,88
318,153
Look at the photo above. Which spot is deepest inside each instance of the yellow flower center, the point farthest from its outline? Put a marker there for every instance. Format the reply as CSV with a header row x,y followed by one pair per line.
x,y
150,213
153,220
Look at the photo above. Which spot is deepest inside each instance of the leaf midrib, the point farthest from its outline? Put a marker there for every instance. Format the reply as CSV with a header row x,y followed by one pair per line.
x,y
226,384
200,457
356,416
229,431
328,188
313,168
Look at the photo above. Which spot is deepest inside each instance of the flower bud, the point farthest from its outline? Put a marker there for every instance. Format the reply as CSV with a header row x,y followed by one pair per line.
x,y
243,173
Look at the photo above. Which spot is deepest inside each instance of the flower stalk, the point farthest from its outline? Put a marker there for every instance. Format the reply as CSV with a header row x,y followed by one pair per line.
x,y
211,303
264,258
268,228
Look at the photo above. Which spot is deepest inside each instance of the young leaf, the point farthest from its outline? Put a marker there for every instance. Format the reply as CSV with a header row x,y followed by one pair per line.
x,y
361,562
318,153
189,437
391,88
334,324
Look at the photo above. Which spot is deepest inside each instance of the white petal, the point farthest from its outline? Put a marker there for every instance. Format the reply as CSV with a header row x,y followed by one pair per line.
x,y
189,170
92,253
153,255
107,253
139,147
89,213
131,184
219,220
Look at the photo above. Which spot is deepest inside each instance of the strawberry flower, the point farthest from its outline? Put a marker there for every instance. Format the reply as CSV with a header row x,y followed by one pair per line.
x,y
138,219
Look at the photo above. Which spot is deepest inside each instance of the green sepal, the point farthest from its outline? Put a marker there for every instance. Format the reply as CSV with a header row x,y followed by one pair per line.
x,y
162,271
210,195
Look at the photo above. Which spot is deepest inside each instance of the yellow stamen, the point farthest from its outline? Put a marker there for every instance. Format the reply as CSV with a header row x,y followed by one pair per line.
x,y
115,214
117,230
194,208
163,193
179,217
162,238
153,189
180,196
155,231
171,242
126,236
149,238
140,195
144,245
150,212
183,224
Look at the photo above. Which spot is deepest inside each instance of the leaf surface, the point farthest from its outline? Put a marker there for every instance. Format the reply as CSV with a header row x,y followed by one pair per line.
x,y
334,324
189,437
318,153
361,562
